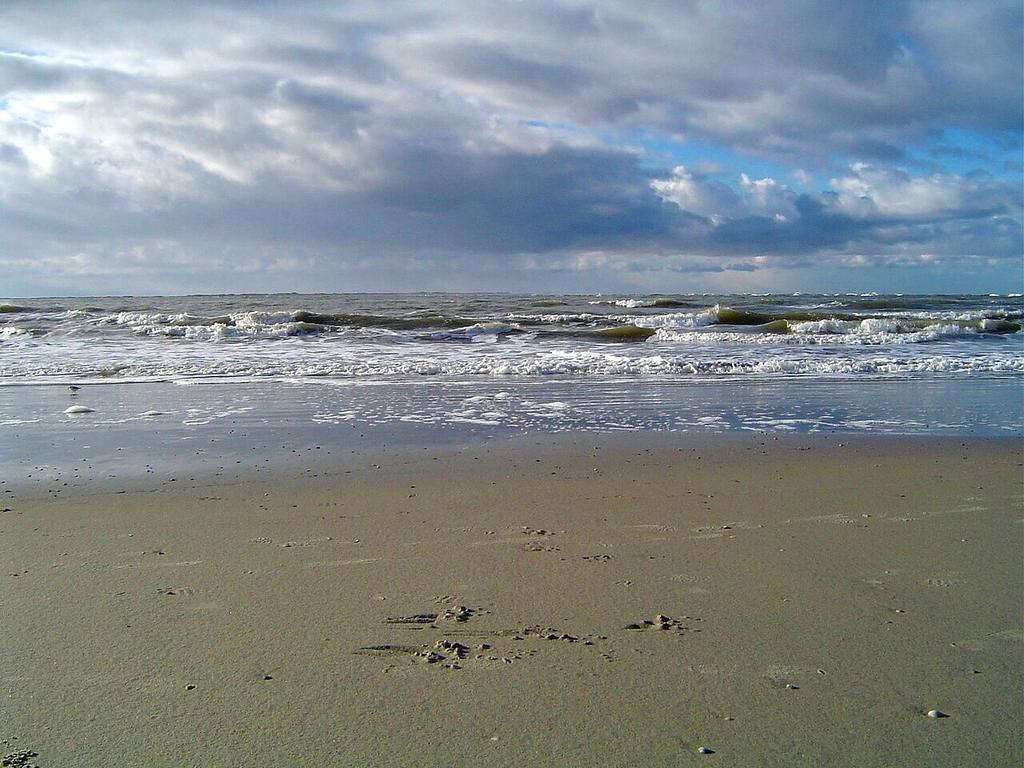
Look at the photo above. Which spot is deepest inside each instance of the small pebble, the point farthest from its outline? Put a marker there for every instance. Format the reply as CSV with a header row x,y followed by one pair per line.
x,y
936,713
190,687
705,750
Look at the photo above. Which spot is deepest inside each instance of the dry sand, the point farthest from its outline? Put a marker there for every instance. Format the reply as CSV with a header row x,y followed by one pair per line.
x,y
810,601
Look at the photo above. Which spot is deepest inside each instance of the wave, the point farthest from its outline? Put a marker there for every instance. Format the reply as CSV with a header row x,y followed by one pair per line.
x,y
640,303
554,363
988,321
396,323
488,331
624,333
663,326
255,320
873,331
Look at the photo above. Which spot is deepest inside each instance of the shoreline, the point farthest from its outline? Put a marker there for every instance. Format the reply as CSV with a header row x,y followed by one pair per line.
x,y
821,593
160,430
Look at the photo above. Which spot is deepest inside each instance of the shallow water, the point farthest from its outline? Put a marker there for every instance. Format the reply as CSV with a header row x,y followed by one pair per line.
x,y
163,428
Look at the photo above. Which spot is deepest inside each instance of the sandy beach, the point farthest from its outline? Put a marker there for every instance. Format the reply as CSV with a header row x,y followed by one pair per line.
x,y
729,600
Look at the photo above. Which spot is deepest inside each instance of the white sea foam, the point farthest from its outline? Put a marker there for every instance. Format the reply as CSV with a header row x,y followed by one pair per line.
x,y
260,320
554,363
628,303
700,319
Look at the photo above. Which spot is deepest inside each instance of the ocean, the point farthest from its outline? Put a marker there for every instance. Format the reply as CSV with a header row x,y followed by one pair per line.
x,y
150,372
388,336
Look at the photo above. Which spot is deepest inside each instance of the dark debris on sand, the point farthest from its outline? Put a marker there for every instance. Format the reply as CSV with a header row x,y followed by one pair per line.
x,y
20,758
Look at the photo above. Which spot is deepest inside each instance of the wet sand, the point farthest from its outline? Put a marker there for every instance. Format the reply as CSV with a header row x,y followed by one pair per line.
x,y
602,602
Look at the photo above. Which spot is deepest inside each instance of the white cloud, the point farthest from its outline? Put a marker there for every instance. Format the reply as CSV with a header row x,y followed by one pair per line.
x,y
699,195
869,191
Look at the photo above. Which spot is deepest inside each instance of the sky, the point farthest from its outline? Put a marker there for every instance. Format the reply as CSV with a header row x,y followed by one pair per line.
x,y
518,145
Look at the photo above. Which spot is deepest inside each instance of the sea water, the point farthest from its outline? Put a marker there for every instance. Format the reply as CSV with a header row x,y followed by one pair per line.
x,y
383,337
158,372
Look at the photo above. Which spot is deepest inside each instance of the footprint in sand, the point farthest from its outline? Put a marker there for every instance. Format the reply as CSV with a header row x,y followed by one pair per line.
x,y
986,641
663,623
457,613
176,591
444,653
536,546
943,581
688,578
503,646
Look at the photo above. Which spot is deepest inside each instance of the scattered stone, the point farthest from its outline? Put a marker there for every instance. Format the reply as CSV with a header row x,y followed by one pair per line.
x,y
791,687
458,613
190,687
935,714
458,650
705,750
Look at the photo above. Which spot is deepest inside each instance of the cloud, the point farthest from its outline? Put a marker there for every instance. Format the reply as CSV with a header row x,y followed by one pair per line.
x,y
151,138
880,211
